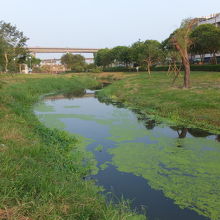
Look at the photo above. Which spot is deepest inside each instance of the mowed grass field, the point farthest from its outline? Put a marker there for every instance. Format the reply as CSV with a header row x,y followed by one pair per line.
x,y
198,106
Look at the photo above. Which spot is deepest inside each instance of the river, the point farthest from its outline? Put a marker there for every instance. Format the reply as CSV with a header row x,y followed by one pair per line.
x,y
167,172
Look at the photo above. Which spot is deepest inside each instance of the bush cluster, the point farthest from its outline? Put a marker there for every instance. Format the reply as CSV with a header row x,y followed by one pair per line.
x,y
206,67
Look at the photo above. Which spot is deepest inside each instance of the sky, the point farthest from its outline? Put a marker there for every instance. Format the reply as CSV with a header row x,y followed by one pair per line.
x,y
100,23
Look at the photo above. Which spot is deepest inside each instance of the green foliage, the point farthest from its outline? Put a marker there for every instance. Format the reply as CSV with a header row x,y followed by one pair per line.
x,y
193,67
122,54
140,54
147,53
203,67
206,39
73,62
104,57
206,67
96,70
12,46
93,68
32,61
203,39
118,69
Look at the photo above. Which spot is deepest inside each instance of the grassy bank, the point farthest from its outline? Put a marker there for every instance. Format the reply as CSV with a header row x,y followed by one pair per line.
x,y
195,107
41,175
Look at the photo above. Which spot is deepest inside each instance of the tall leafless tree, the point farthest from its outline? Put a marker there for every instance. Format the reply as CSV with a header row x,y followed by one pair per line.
x,y
182,42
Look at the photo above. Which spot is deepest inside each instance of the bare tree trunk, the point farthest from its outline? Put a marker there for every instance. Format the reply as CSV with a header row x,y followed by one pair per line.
x,y
214,58
185,61
186,73
6,62
148,67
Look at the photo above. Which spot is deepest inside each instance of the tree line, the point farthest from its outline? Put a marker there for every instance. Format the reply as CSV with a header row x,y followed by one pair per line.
x,y
178,49
77,63
188,39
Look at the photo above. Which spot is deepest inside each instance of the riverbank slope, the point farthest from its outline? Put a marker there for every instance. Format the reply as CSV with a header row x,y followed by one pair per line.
x,y
42,172
198,106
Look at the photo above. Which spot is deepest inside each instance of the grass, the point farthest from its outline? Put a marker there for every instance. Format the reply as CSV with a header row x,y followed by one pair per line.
x,y
198,106
42,175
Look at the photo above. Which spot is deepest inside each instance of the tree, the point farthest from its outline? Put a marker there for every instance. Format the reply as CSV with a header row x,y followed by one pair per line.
x,y
148,52
12,44
137,53
206,39
122,55
182,42
171,57
152,53
104,57
73,62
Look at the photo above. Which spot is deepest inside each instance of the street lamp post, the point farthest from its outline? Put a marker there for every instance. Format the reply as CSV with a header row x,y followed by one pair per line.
x,y
30,69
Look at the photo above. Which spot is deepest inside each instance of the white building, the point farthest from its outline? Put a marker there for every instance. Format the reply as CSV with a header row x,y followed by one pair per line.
x,y
212,19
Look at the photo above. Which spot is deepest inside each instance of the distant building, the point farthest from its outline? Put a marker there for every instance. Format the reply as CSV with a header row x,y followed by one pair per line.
x,y
55,66
89,60
211,19
52,66
50,62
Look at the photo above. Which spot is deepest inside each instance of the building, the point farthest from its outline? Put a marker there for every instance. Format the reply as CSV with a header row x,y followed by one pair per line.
x,y
50,62
211,19
52,66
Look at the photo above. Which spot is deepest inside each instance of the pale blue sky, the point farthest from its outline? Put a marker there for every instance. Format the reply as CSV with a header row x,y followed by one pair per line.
x,y
100,23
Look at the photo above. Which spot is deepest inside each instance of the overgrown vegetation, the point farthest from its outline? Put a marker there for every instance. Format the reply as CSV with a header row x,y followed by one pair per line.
x,y
205,67
75,63
42,175
198,107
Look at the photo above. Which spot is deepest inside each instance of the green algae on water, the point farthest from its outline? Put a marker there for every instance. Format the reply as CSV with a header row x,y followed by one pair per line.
x,y
43,107
51,121
189,174
99,148
105,165
72,106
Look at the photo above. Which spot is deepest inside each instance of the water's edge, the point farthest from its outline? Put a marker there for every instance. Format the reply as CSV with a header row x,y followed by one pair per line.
x,y
109,152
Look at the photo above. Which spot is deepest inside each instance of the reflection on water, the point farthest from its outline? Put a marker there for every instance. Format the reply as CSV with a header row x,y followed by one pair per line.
x,y
173,172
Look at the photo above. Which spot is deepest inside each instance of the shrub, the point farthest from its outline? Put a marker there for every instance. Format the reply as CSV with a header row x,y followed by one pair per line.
x,y
205,67
96,70
118,69
78,68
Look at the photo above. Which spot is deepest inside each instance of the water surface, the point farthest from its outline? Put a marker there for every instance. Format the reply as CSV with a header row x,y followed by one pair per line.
x,y
170,172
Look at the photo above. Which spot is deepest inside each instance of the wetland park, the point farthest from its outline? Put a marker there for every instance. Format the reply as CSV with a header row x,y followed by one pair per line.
x,y
134,135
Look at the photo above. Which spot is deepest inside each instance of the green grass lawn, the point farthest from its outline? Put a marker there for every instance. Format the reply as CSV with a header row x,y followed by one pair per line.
x,y
42,172
198,106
